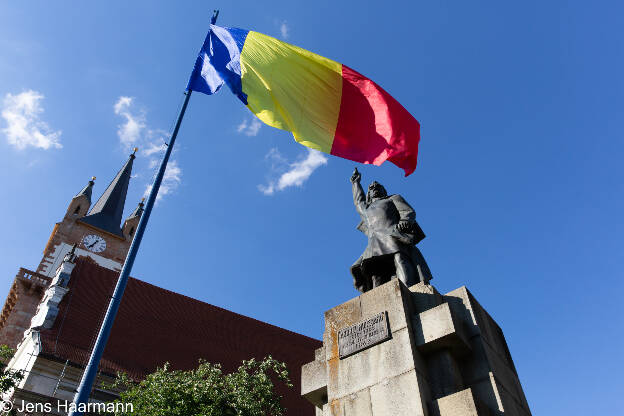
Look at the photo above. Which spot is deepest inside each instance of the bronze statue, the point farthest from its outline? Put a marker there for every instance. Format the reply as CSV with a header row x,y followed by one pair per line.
x,y
390,225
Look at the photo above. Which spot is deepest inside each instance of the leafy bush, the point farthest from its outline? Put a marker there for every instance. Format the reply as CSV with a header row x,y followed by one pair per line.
x,y
8,378
207,391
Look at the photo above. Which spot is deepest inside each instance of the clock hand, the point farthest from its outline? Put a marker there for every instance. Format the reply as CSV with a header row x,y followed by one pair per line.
x,y
91,246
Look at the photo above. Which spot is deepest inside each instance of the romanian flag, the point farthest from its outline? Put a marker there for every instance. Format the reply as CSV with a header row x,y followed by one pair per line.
x,y
326,105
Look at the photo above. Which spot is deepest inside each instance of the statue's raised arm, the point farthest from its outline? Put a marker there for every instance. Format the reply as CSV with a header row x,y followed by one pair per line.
x,y
359,198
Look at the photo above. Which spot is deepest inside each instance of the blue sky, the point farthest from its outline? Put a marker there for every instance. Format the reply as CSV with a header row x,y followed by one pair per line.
x,y
519,185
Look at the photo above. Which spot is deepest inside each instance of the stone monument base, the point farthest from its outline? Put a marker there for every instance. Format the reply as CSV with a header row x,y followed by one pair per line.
x,y
404,351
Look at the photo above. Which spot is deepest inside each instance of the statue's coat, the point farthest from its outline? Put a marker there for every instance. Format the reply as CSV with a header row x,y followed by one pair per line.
x,y
379,219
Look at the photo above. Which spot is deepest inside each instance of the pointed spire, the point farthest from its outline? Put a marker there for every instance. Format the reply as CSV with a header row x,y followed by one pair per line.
x,y
87,190
107,212
138,210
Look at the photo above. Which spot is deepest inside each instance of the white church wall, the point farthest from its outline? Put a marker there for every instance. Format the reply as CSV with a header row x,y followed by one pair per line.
x,y
60,250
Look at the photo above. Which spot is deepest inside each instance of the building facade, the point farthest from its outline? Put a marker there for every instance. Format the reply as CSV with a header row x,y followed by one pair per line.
x,y
96,233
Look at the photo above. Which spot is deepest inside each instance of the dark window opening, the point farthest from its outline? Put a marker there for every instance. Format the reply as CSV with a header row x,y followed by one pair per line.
x,y
77,210
131,231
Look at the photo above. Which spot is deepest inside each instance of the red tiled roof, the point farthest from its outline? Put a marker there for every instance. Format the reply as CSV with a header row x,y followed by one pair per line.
x,y
155,326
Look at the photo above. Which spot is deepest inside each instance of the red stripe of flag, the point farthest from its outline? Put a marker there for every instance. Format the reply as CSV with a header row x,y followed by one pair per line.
x,y
372,126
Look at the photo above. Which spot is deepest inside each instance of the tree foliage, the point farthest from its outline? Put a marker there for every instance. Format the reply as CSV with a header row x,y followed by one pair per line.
x,y
8,378
207,391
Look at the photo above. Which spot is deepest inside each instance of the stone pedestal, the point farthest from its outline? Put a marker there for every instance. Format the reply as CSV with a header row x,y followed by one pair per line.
x,y
412,351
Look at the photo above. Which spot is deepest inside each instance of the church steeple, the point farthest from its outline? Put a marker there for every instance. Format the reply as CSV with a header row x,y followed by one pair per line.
x,y
87,190
107,212
138,211
132,221
80,203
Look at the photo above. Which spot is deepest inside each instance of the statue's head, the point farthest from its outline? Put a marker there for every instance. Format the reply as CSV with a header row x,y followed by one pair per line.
x,y
375,190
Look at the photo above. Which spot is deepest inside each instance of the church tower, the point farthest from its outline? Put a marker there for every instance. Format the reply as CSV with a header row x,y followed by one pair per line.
x,y
96,233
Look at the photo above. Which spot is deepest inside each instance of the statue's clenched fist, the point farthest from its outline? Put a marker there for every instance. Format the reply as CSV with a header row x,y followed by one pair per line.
x,y
356,176
405,227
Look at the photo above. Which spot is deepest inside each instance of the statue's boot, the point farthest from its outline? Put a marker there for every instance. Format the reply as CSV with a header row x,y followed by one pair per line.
x,y
377,281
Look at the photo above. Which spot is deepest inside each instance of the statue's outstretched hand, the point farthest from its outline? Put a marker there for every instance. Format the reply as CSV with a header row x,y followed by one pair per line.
x,y
356,176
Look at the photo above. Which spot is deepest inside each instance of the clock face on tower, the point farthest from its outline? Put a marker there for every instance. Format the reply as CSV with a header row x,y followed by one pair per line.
x,y
94,243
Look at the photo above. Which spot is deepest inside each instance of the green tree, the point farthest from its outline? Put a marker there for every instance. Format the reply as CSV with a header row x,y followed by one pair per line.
x,y
207,391
8,378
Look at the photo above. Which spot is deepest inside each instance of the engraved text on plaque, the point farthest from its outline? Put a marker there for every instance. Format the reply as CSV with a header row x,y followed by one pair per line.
x,y
362,335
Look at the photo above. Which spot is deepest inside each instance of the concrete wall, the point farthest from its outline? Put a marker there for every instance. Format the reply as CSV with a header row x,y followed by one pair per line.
x,y
446,357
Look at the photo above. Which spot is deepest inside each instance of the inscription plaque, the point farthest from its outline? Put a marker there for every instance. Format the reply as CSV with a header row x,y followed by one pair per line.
x,y
362,335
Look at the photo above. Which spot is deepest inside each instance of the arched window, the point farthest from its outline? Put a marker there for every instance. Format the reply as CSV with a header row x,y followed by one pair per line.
x,y
131,231
77,210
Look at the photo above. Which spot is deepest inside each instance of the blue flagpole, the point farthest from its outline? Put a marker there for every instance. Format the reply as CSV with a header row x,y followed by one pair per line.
x,y
88,377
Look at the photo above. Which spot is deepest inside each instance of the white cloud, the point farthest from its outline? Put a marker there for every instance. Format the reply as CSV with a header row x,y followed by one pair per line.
x,y
297,173
153,148
135,131
249,128
284,30
123,103
24,127
131,131
154,142
277,160
171,180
